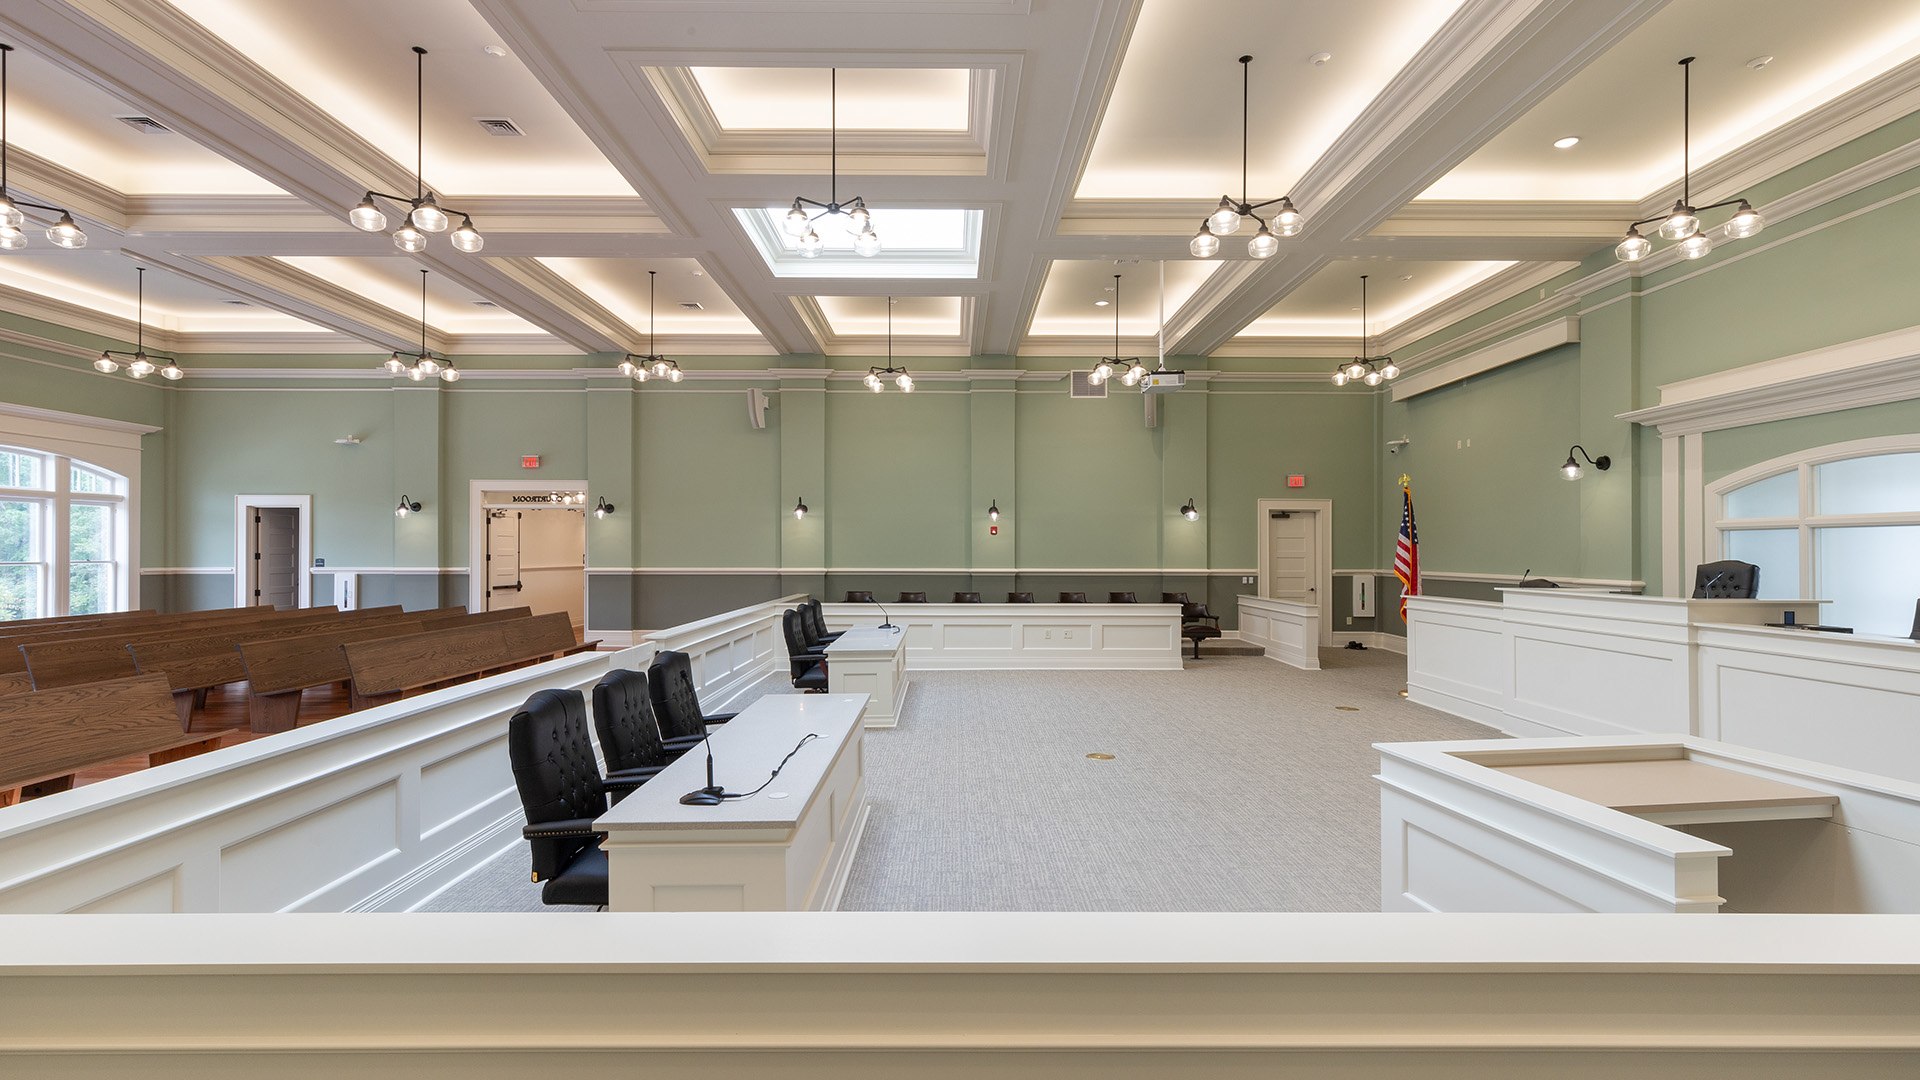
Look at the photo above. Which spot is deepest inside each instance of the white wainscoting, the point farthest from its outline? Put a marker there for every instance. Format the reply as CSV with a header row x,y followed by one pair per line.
x,y
1289,632
1131,637
732,651
372,811
1459,836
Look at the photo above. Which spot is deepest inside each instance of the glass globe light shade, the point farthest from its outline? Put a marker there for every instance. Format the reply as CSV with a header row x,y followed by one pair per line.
x,y
1356,369
1288,222
11,238
67,234
795,222
858,221
640,373
1204,244
429,216
173,371
1634,248
394,365
1391,371
660,367
1190,512
416,374
449,374
1263,244
811,245
903,381
1138,371
141,366
1696,246
428,366
409,239
1572,470
106,365
1744,223
1340,377
625,367
467,238
1104,369
876,384
10,215
675,375
1129,378
1680,224
1373,378
867,244
367,217
1225,220
137,374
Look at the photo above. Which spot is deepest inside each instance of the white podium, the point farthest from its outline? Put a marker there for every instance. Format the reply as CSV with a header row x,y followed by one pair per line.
x,y
872,661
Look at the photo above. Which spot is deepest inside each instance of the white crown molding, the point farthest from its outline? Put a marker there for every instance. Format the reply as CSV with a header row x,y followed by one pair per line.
x,y
1478,297
47,344
1850,375
96,423
46,181
1532,342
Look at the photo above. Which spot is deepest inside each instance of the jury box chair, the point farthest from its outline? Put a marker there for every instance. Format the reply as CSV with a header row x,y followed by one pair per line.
x,y
1121,598
676,705
966,598
562,793
1073,598
859,597
1019,598
817,624
629,736
913,598
807,664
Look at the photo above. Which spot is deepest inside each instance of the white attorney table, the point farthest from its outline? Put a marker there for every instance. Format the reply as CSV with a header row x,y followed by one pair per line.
x,y
1633,825
1118,637
786,849
872,661
1547,662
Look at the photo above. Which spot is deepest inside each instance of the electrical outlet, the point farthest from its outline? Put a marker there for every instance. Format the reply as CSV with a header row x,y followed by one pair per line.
x,y
1349,620
1049,635
1069,635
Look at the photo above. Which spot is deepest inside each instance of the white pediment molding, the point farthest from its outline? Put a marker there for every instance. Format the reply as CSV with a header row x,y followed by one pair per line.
x,y
1850,375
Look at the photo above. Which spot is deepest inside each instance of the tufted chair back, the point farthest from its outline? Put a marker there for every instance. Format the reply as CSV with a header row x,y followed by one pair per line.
x,y
913,598
1726,579
794,626
1073,598
676,707
554,769
1173,598
623,718
816,620
1019,598
966,598
859,597
1120,598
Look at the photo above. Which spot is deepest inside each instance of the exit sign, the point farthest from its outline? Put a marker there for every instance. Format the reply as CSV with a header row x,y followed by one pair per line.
x,y
1297,481
530,461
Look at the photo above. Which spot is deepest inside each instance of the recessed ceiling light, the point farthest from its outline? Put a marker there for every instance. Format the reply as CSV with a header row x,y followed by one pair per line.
x,y
1100,303
494,50
1759,62
691,305
1567,143
699,273
1406,277
1320,59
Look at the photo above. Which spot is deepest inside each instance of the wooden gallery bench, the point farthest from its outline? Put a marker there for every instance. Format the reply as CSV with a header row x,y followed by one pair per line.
x,y
279,670
383,671
48,735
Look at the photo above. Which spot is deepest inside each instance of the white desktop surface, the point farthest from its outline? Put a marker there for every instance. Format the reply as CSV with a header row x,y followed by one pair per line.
x,y
867,639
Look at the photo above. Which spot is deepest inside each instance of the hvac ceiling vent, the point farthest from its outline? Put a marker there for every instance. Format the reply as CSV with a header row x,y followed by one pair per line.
x,y
498,125
1079,387
485,303
691,305
145,125
236,303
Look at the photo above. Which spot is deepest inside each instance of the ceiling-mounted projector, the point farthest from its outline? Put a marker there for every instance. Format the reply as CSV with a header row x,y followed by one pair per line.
x,y
1162,382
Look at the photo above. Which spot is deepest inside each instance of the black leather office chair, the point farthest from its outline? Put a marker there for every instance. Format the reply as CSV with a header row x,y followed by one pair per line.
x,y
1019,598
859,597
1728,579
1173,598
1197,624
817,624
913,598
676,706
1537,583
1916,621
807,666
966,598
629,737
562,794
1121,598
1073,598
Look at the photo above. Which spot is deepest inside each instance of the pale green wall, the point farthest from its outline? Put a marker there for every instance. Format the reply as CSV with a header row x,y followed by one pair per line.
x,y
898,468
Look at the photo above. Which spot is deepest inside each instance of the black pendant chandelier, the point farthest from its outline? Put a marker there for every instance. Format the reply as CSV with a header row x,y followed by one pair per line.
x,y
1682,223
138,363
859,223
1134,369
63,232
1372,370
652,365
876,379
424,212
419,366
1225,219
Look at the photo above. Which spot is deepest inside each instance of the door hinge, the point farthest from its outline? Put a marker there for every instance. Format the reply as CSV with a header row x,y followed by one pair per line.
x,y
256,592
256,519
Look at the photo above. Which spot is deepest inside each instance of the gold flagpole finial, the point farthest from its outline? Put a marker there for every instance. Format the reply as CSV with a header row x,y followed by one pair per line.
x,y
1405,481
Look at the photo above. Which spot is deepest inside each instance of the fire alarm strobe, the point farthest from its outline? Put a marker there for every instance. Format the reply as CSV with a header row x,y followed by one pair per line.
x,y
530,461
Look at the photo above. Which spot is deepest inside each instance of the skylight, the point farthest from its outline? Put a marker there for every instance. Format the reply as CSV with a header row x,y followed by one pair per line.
x,y
919,243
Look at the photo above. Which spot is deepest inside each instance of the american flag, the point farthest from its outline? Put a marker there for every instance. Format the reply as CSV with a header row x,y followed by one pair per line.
x,y
1406,554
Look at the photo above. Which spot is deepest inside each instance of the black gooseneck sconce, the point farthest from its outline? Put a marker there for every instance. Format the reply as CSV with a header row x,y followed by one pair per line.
x,y
993,510
1190,511
407,506
1572,470
603,509
799,508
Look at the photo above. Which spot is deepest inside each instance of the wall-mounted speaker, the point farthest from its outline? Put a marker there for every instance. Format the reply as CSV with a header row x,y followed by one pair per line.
x,y
757,407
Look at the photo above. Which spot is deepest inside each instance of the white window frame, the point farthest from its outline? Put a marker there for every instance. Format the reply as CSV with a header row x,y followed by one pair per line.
x,y
57,501
1807,521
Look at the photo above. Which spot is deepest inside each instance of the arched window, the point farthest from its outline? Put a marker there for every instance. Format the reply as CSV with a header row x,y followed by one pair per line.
x,y
1838,523
63,536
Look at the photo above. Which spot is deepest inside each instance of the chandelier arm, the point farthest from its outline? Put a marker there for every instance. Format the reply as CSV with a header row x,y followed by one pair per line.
x,y
39,206
1718,205
1269,202
1686,129
833,134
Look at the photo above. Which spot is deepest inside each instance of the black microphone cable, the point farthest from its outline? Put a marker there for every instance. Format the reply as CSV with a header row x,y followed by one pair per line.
x,y
810,736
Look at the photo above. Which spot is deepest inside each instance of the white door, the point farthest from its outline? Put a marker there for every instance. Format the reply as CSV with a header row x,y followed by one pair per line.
x,y
503,559
1292,563
276,550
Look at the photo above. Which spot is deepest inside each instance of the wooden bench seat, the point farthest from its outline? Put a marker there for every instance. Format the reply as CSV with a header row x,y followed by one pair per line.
x,y
475,618
12,661
48,735
384,671
279,670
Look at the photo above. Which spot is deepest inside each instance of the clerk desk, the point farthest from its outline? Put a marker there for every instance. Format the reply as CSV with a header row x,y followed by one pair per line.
x,y
1549,662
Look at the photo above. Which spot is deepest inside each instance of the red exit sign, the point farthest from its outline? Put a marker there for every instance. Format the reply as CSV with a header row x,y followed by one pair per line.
x,y
1297,481
530,461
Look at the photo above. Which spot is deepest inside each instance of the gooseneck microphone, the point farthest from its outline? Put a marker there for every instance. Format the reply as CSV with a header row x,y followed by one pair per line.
x,y
711,795
887,620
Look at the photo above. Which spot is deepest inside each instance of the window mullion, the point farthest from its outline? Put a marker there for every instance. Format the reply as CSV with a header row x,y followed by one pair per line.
x,y
57,557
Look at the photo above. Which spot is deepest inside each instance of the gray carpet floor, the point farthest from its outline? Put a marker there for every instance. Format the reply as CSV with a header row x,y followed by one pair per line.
x,y
1238,784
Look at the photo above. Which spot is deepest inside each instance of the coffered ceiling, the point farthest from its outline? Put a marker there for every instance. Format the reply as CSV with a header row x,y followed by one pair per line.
x,y
1017,153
